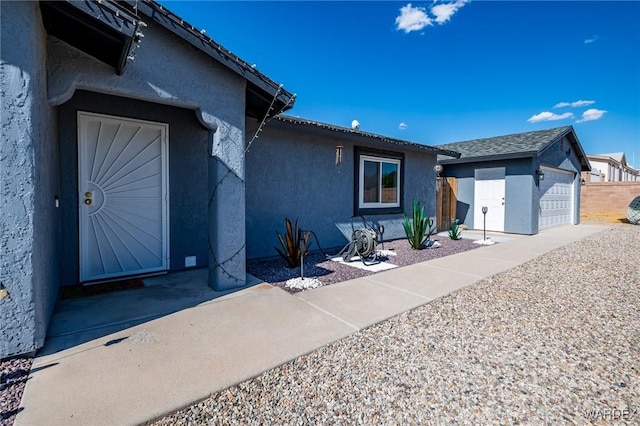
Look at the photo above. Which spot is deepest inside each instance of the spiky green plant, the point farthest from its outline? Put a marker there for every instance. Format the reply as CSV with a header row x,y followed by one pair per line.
x,y
419,230
454,230
293,243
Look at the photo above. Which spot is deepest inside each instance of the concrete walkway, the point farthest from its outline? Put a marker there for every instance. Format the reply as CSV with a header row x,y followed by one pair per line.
x,y
140,373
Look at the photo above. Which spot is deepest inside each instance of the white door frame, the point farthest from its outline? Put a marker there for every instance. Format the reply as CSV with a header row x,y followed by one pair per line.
x,y
84,178
487,178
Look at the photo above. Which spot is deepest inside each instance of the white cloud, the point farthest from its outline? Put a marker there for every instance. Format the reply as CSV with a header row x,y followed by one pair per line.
x,y
575,104
590,40
412,19
549,116
402,126
591,114
444,11
416,18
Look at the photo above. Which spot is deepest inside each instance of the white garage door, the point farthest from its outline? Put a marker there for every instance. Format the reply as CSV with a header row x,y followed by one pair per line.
x,y
556,198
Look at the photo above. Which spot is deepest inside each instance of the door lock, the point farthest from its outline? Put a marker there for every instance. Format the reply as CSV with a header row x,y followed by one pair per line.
x,y
503,201
88,201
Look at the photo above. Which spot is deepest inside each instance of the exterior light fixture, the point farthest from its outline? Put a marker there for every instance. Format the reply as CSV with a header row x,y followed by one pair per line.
x,y
540,174
339,149
438,169
583,182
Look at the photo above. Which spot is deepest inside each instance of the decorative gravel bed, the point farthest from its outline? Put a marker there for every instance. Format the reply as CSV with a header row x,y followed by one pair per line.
x,y
13,377
328,272
553,341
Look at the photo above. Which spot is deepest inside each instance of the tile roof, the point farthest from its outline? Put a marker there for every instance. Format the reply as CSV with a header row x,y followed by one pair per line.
x,y
373,136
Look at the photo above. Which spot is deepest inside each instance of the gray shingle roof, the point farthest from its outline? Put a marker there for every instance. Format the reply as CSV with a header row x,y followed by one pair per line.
x,y
445,153
518,143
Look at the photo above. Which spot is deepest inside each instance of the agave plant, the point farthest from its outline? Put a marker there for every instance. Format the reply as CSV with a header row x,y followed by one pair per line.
x,y
420,229
454,230
293,243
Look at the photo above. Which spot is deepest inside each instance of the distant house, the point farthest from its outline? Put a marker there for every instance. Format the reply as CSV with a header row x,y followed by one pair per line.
x,y
324,175
611,167
123,138
528,181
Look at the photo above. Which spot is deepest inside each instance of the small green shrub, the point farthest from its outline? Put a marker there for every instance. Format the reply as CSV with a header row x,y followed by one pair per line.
x,y
293,244
454,230
420,229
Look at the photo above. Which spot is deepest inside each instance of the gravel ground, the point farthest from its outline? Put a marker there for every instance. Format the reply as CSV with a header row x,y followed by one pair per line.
x,y
13,377
328,272
555,340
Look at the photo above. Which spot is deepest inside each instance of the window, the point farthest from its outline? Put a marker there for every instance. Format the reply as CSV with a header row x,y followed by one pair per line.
x,y
378,182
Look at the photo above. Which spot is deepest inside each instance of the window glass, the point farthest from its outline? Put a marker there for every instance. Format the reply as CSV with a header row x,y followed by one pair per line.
x,y
371,182
389,182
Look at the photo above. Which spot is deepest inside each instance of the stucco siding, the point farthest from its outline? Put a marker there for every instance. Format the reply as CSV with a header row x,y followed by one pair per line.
x,y
292,173
169,71
519,205
562,155
519,193
29,164
522,190
188,176
465,201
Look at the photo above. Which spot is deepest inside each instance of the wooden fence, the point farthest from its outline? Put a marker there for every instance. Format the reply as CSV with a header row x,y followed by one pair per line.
x,y
446,195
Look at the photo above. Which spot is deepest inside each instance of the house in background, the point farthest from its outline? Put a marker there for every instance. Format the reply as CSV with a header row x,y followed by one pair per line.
x,y
611,168
121,155
529,181
323,175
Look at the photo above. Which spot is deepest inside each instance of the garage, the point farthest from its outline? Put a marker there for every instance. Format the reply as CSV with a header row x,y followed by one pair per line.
x,y
556,198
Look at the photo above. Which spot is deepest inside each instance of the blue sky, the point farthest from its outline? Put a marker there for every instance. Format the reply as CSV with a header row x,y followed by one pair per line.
x,y
439,72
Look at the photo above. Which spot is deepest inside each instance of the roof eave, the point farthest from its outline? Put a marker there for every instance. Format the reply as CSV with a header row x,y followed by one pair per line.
x,y
585,166
496,157
348,133
260,88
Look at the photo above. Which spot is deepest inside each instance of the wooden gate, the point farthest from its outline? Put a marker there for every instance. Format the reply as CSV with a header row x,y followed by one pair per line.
x,y
447,189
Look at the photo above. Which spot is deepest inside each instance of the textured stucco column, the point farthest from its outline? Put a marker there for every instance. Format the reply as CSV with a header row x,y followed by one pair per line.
x,y
227,250
28,167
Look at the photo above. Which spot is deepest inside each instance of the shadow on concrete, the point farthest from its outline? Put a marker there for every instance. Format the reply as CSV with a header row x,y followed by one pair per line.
x,y
76,321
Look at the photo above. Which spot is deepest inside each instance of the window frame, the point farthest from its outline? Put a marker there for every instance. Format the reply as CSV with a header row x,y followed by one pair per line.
x,y
380,156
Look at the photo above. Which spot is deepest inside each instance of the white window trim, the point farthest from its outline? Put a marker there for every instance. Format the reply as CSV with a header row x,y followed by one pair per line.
x,y
361,203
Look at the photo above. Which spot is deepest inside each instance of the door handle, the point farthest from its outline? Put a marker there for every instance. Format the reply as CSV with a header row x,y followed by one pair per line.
x,y
88,201
88,196
503,201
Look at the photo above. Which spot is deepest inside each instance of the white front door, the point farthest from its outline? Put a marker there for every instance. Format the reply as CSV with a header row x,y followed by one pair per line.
x,y
489,193
123,196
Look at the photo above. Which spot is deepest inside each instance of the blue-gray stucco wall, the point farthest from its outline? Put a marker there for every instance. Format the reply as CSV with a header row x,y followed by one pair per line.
x,y
291,172
562,155
40,73
168,70
188,176
519,194
522,194
29,165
